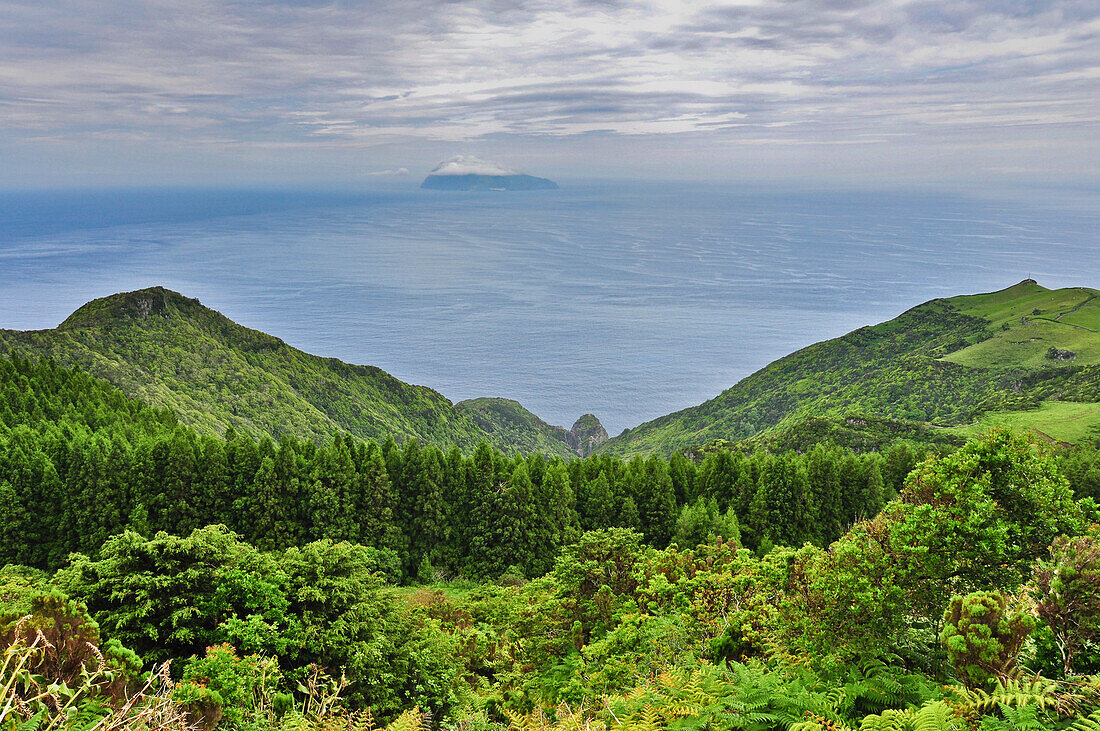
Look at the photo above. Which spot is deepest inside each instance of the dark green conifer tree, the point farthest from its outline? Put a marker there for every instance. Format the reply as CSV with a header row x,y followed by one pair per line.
x,y
477,512
557,522
900,459
630,481
727,477
536,467
628,515
718,477
657,502
87,485
138,521
802,507
822,465
14,526
758,523
521,537
292,475
323,505
423,510
598,508
34,482
242,463
377,503
391,454
341,463
213,498
264,508
179,475
853,488
682,471
875,487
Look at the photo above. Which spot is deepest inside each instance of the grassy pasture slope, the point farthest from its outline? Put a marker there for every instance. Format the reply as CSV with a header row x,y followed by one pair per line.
x,y
963,362
1062,421
1027,326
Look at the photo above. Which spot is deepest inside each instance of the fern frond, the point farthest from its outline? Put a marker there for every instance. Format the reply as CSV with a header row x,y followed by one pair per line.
x,y
936,716
293,720
649,719
412,720
888,720
1089,723
33,723
1013,693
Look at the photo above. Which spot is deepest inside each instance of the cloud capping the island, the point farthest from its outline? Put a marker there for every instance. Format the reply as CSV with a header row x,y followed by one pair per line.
x,y
470,165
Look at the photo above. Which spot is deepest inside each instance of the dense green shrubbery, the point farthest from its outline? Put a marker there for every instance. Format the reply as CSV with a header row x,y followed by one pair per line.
x,y
983,634
323,604
755,591
624,634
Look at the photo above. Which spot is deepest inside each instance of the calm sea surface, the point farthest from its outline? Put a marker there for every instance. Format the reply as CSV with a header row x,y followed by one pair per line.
x,y
629,302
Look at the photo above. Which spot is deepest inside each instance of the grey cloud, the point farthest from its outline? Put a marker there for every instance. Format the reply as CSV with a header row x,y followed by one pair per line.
x,y
792,24
306,72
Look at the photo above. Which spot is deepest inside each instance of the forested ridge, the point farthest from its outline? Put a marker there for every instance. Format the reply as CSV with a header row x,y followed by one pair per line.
x,y
214,374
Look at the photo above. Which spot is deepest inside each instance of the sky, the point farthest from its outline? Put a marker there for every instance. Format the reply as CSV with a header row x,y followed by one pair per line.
x,y
285,91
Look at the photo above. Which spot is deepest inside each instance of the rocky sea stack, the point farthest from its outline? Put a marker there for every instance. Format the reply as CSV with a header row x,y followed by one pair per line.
x,y
587,434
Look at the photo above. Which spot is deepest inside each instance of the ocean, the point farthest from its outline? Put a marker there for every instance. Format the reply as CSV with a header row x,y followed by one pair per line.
x,y
627,300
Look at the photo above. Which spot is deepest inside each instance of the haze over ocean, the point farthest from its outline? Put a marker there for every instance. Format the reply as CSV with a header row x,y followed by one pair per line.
x,y
626,300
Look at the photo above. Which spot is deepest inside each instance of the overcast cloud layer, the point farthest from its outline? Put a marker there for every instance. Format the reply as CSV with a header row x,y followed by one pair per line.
x,y
209,90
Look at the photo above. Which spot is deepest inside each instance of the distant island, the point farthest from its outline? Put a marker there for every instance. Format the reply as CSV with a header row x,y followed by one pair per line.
x,y
467,172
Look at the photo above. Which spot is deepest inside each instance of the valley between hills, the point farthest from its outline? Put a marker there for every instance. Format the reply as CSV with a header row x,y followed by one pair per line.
x,y
1024,356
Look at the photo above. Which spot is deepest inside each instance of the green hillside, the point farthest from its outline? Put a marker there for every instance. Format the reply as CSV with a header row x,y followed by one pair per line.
x,y
515,424
214,374
857,432
947,363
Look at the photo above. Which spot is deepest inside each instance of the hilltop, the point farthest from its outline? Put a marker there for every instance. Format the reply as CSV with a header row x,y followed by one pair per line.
x,y
175,353
1026,356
